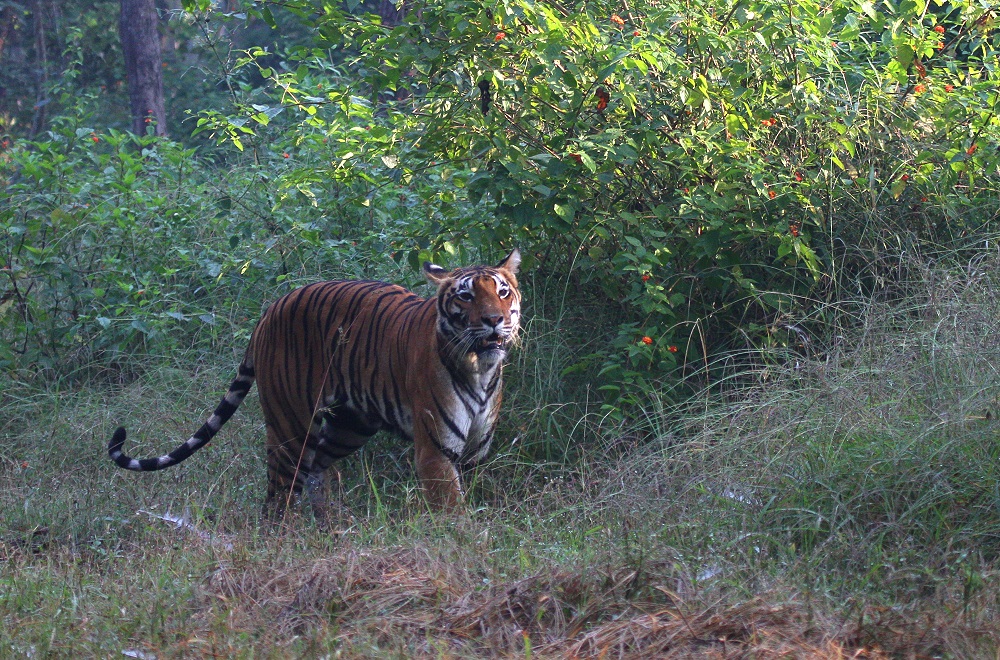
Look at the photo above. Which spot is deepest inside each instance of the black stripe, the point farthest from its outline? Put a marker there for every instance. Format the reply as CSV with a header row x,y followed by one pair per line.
x,y
448,420
449,454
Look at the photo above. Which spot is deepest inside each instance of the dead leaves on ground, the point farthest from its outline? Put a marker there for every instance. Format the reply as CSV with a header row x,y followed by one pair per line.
x,y
409,599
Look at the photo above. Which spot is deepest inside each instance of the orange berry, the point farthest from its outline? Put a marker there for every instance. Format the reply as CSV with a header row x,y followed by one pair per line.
x,y
647,340
602,97
939,29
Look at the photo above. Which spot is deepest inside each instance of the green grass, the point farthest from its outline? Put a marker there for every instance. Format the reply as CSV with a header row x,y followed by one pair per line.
x,y
841,501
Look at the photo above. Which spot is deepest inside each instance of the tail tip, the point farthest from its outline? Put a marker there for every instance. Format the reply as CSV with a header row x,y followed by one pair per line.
x,y
117,441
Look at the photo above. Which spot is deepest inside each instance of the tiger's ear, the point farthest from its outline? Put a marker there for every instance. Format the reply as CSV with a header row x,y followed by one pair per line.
x,y
511,262
435,274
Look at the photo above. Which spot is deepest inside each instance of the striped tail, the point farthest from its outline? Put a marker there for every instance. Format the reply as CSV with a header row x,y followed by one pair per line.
x,y
234,397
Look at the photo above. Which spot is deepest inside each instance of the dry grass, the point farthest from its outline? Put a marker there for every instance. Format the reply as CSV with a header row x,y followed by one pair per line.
x,y
439,591
424,602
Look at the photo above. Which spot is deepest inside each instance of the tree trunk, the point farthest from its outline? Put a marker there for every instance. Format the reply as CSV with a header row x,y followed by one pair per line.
x,y
143,65
42,60
8,22
390,15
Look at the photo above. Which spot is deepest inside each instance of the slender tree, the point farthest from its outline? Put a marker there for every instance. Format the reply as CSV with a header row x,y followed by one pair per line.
x,y
8,22
41,54
391,16
137,27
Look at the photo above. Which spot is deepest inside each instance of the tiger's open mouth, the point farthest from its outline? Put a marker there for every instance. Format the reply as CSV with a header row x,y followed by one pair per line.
x,y
492,343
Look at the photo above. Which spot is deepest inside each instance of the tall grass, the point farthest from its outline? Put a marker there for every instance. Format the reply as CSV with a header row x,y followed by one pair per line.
x,y
840,501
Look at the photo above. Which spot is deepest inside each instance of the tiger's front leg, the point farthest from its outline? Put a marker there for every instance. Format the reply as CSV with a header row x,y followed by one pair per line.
x,y
439,479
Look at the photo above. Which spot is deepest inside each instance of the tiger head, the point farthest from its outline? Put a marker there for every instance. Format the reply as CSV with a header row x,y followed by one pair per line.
x,y
479,309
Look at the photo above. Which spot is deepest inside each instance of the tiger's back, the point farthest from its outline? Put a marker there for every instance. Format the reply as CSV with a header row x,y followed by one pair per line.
x,y
337,361
330,357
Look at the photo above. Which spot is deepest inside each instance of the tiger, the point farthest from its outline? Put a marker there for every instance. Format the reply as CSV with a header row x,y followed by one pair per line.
x,y
337,361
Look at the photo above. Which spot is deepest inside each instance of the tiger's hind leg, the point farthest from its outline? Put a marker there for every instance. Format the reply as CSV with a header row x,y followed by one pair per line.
x,y
289,468
318,491
340,433
296,466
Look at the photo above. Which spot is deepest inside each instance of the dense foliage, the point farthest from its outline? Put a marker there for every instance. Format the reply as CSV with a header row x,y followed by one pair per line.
x,y
706,172
115,244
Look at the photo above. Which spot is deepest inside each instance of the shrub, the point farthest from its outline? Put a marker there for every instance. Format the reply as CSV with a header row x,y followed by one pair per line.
x,y
113,244
707,170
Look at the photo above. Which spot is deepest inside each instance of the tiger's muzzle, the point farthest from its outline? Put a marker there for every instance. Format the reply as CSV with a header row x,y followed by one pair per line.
x,y
494,342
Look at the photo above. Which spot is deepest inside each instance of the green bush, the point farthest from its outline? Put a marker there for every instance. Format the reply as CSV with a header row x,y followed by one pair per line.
x,y
706,170
103,247
705,173
112,244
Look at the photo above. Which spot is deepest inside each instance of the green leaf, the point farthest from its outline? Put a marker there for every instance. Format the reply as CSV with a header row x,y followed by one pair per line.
x,y
735,124
564,211
824,24
897,188
265,14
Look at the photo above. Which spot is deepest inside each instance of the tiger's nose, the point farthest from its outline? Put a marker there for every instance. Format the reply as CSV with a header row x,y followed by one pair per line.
x,y
492,320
